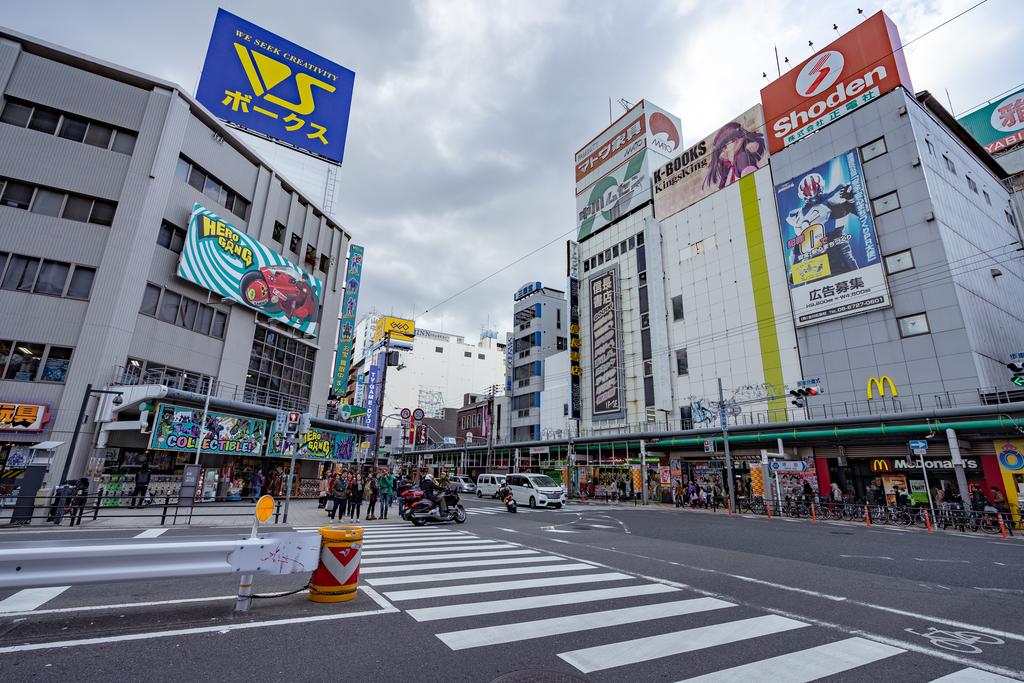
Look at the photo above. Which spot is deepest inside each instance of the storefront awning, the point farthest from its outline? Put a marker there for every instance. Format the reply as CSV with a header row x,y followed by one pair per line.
x,y
46,445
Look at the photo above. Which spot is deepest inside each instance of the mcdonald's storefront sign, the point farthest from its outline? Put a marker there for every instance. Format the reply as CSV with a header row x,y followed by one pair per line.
x,y
879,384
883,465
880,465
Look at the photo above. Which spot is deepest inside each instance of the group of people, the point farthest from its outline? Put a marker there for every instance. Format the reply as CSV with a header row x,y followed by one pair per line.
x,y
706,495
343,493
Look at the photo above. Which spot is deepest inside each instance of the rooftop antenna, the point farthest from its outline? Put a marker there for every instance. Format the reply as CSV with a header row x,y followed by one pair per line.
x,y
777,67
625,104
950,100
835,27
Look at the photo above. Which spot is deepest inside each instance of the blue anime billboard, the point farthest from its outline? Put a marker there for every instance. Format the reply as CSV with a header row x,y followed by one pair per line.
x,y
828,240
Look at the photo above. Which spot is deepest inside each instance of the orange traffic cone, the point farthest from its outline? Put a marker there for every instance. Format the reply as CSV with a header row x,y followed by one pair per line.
x,y
928,521
1002,526
867,515
814,515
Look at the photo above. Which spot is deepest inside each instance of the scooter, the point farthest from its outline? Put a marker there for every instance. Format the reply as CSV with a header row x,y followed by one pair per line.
x,y
505,495
419,509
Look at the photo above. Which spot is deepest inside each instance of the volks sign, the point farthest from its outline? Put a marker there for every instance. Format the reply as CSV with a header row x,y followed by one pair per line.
x,y
856,68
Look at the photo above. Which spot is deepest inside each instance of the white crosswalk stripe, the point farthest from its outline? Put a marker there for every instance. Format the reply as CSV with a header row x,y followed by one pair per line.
x,y
503,551
478,574
467,589
487,561
370,551
971,675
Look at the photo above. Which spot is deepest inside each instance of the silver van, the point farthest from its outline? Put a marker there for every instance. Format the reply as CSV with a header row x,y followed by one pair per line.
x,y
488,485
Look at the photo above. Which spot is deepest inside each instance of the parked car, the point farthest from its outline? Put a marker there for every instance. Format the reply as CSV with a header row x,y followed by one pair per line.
x,y
464,483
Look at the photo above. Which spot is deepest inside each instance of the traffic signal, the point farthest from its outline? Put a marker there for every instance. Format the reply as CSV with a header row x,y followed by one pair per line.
x,y
294,418
799,395
1018,373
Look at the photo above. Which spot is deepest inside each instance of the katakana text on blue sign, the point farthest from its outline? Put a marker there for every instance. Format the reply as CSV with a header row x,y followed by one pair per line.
x,y
261,81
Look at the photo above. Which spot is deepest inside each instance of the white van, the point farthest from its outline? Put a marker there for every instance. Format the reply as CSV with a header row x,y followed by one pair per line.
x,y
488,484
536,490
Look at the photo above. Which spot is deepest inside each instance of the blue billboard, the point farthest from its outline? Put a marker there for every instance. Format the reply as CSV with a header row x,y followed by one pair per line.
x,y
269,85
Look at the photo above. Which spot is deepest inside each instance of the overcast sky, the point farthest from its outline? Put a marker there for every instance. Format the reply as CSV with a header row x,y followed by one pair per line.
x,y
466,115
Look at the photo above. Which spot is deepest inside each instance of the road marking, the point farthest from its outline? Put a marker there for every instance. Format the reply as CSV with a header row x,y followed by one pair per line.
x,y
469,589
560,531
478,574
512,550
511,531
222,628
971,675
526,630
123,605
465,563
1001,590
152,533
486,545
929,559
439,543
668,644
379,540
469,609
805,665
870,557
30,598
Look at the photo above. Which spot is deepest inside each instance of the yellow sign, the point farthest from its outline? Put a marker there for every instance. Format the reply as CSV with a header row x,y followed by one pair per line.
x,y
879,465
876,383
23,417
264,508
400,329
1010,454
812,269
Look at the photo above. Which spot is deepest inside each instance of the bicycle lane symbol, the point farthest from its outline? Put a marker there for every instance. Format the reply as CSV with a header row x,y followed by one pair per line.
x,y
964,642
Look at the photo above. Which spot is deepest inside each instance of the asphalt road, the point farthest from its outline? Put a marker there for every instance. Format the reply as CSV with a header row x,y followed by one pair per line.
x,y
595,593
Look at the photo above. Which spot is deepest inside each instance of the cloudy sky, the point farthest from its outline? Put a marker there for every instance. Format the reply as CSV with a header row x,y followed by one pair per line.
x,y
467,114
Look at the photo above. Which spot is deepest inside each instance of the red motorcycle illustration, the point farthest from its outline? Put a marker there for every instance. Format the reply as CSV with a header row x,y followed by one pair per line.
x,y
273,289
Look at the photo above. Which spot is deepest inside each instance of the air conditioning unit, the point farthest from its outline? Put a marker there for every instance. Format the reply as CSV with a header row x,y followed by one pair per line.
x,y
929,217
901,110
916,162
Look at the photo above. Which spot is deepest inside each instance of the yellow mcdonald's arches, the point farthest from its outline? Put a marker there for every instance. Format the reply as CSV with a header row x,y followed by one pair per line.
x,y
879,384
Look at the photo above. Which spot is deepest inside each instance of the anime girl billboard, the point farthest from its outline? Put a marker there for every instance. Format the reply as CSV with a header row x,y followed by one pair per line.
x,y
736,149
828,239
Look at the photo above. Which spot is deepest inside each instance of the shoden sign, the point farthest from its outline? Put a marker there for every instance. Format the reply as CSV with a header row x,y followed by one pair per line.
x,y
852,70
884,465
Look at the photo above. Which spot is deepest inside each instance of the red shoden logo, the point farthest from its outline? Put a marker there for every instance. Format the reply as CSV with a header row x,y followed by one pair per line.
x,y
853,70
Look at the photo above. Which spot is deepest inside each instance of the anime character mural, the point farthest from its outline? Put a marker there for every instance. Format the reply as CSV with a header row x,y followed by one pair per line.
x,y
735,152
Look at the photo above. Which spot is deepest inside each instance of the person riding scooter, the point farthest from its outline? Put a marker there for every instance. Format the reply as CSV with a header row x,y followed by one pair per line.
x,y
432,490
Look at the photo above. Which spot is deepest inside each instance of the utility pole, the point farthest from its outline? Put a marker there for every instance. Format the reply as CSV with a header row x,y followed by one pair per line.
x,y
491,390
380,399
724,419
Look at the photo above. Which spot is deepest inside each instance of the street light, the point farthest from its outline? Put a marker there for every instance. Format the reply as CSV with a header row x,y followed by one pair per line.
x,y
226,303
89,391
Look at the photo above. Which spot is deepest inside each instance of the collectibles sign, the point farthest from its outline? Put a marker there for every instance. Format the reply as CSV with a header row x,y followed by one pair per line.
x,y
271,86
719,160
228,262
606,379
316,444
624,188
851,71
998,126
177,428
645,126
23,417
575,367
828,237
347,326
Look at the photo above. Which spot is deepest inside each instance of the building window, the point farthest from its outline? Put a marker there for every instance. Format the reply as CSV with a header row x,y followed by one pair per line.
x,y
310,256
561,344
899,262
280,369
325,263
170,302
913,325
22,360
467,354
73,128
677,307
645,320
972,185
279,231
648,368
642,291
632,242
182,311
600,259
622,247
212,188
682,362
171,237
885,203
58,360
949,164
21,273
639,239
988,200
586,265
53,275
615,251
150,300
1009,218
565,409
873,149
558,318
294,244
48,201
481,356
438,349
80,286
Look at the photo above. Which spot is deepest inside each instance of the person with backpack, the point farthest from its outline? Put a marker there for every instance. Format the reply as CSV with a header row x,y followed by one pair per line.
x,y
339,496
373,493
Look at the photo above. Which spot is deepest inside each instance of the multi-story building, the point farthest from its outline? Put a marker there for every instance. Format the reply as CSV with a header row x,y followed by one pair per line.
x,y
106,176
540,330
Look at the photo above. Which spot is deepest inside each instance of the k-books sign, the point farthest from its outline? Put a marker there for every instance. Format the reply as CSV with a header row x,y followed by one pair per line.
x,y
828,239
228,262
272,86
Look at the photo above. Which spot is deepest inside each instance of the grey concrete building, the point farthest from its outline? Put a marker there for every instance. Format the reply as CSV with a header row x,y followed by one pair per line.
x,y
100,171
540,330
951,253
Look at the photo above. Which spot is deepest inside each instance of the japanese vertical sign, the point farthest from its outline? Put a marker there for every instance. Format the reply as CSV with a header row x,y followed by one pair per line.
x,y
223,259
347,326
829,242
998,126
269,85
575,368
372,392
606,370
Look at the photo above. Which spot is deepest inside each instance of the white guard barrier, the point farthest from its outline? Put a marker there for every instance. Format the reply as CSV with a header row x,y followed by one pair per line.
x,y
38,563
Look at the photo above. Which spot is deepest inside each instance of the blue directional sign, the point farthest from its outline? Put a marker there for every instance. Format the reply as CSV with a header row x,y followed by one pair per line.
x,y
918,444
270,85
787,466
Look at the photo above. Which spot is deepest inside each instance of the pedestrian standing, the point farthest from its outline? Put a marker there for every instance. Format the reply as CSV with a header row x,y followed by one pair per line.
x,y
355,497
679,493
373,493
339,496
141,485
387,491
256,484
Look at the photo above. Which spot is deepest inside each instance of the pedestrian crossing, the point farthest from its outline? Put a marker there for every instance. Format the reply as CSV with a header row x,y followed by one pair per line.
x,y
476,593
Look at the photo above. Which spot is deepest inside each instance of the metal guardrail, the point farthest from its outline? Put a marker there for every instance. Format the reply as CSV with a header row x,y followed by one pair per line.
x,y
41,563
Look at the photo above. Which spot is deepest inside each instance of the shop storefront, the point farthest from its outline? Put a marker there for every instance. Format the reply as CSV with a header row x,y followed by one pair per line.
x,y
21,425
